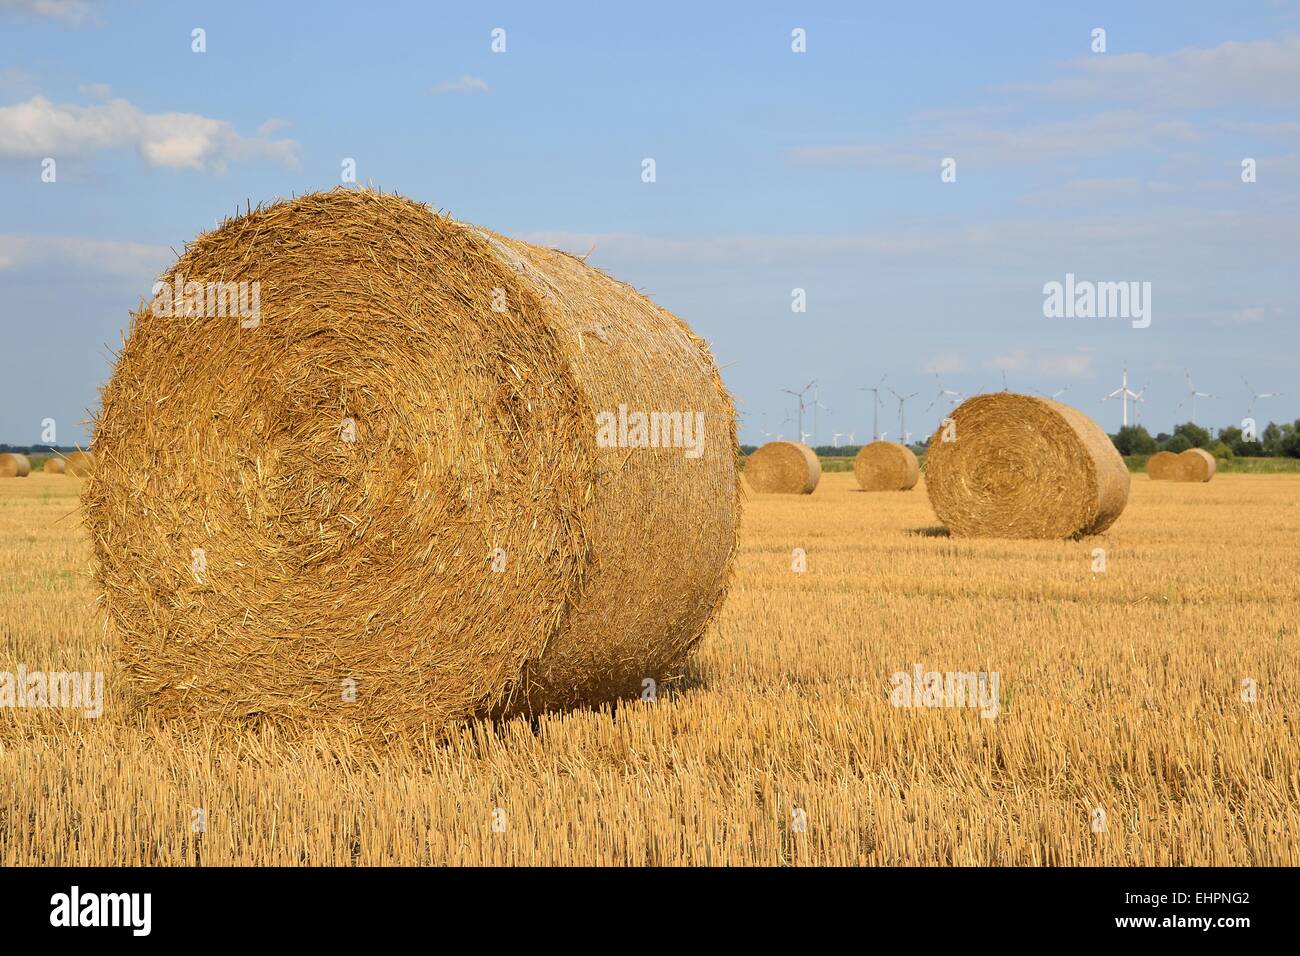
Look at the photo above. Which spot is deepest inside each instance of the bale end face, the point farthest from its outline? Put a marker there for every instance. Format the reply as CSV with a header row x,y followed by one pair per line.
x,y
783,468
1018,466
1161,466
385,505
14,465
1195,464
886,466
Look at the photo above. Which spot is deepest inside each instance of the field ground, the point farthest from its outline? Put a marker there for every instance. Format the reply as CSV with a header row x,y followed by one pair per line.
x,y
1119,691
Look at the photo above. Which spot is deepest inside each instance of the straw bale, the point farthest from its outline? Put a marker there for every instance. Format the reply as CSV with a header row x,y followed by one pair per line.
x,y
1195,464
385,503
80,464
886,466
1024,467
784,468
14,465
1161,467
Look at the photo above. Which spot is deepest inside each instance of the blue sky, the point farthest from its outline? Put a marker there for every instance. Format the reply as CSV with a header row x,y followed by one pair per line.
x,y
775,171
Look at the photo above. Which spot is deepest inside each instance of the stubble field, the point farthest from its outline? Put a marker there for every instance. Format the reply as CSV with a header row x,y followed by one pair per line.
x,y
1126,730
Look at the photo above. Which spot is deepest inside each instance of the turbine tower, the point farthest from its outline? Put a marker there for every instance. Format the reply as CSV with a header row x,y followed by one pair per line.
x,y
1192,395
902,415
875,407
802,404
1123,393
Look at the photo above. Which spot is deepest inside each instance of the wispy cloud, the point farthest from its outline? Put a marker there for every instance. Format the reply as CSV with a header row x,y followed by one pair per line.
x,y
466,84
39,127
1082,137
1253,74
1076,364
72,13
95,256
948,363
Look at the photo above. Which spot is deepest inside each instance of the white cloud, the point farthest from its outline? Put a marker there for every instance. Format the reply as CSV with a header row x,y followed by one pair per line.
x,y
1077,364
272,126
1258,74
1251,315
466,84
946,364
72,13
97,256
100,91
40,128
981,146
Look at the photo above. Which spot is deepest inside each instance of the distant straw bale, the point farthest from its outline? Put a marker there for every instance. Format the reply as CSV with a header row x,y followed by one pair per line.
x,y
783,468
14,465
80,464
1018,466
1195,464
886,466
1161,466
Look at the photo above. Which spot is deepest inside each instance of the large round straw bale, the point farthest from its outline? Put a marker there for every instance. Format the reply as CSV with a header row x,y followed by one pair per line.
x,y
1161,467
783,467
886,466
54,465
14,465
385,500
80,464
1195,464
1018,466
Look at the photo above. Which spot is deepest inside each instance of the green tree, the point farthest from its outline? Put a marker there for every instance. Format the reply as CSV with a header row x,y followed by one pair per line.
x,y
1178,442
1197,436
1271,438
1290,443
1134,440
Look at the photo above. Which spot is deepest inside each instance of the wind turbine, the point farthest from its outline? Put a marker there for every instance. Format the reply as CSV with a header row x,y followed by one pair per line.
x,y
875,407
835,439
1056,394
816,404
902,419
944,394
1123,393
1250,412
802,404
1193,395
1138,401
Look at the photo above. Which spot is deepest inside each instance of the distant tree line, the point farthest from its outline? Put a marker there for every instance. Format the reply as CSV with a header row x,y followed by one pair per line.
x,y
1275,441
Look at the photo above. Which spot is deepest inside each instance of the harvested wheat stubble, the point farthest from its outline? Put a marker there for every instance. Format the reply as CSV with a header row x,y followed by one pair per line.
x,y
1194,464
783,467
1024,467
80,464
54,465
473,368
886,466
14,465
1161,466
